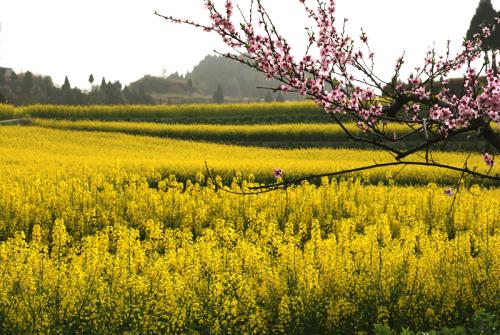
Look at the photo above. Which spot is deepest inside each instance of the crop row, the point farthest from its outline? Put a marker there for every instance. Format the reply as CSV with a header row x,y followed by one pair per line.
x,y
255,113
270,135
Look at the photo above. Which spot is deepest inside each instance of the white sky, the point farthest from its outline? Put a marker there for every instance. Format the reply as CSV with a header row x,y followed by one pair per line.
x,y
122,40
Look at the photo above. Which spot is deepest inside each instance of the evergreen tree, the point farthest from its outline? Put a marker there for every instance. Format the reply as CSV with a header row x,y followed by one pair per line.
x,y
485,15
66,86
27,82
13,76
66,92
2,98
218,96
91,79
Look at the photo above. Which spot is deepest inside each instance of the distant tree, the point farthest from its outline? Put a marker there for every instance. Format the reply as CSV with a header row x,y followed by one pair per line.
x,y
103,82
129,95
144,98
176,76
218,96
91,79
13,76
48,91
485,15
2,98
27,82
280,97
3,73
113,93
66,92
66,86
190,86
268,97
77,97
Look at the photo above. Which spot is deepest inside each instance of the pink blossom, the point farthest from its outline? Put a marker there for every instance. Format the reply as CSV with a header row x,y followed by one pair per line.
x,y
488,159
449,192
278,173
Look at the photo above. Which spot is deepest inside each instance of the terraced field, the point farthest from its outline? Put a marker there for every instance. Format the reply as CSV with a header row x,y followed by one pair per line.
x,y
115,227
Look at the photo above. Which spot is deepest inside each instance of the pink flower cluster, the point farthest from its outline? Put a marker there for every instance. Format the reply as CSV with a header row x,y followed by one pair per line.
x,y
488,159
489,100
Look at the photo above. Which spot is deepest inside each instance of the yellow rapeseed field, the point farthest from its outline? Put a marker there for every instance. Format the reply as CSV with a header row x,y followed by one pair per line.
x,y
44,150
97,237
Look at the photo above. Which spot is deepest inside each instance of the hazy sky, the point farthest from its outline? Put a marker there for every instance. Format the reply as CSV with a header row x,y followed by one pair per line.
x,y
122,40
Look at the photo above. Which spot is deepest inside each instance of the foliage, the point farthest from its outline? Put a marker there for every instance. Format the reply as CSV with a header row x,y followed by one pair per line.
x,y
237,80
218,96
152,84
28,88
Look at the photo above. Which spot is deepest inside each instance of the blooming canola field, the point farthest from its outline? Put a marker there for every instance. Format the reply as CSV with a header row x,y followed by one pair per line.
x,y
104,232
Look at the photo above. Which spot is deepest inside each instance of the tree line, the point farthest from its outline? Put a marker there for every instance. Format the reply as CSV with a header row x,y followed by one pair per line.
x,y
28,88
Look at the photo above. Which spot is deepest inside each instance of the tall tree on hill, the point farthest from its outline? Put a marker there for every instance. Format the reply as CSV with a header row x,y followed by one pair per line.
x,y
218,96
67,94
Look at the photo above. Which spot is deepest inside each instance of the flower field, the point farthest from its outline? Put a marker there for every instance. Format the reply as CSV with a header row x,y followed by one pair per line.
x,y
97,236
298,135
47,151
243,113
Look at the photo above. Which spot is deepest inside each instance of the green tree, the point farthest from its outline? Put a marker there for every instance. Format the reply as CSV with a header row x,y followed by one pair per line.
x,y
13,76
67,94
144,98
66,86
485,15
2,98
218,96
91,79
27,82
